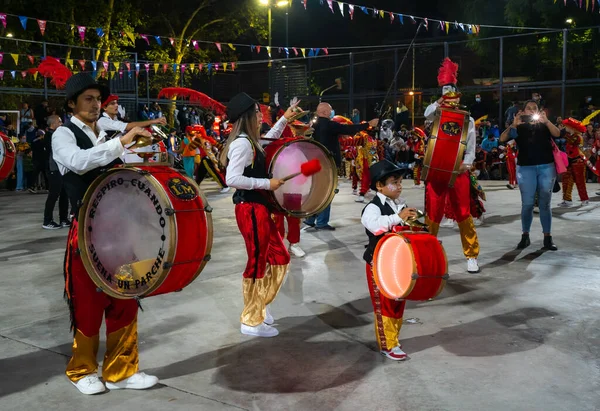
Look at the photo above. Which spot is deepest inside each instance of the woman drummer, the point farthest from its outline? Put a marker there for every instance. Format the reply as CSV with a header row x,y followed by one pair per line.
x,y
268,258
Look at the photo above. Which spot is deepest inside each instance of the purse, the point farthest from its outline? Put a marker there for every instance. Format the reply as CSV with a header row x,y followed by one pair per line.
x,y
561,161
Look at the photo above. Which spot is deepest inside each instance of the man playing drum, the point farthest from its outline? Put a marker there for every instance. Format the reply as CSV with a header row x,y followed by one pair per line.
x,y
81,152
459,192
379,217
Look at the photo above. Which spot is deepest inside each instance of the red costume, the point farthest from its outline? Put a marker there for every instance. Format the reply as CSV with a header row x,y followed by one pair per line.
x,y
417,144
576,170
511,164
208,161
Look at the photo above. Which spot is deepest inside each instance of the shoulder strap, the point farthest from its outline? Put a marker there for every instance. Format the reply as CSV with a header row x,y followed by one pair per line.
x,y
83,141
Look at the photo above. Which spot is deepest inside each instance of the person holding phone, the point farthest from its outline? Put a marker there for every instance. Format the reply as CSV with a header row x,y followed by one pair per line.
x,y
536,172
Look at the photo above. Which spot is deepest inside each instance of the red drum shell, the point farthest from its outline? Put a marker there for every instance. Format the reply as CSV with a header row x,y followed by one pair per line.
x,y
301,196
8,156
144,231
410,266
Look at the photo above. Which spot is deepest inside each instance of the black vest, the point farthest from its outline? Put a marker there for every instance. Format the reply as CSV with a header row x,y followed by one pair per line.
x,y
77,184
386,209
258,169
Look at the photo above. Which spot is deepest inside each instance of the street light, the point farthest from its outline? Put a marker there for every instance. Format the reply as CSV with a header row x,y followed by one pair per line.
x,y
9,34
569,21
269,4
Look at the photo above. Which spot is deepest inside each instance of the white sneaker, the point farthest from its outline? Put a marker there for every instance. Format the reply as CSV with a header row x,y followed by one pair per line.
x,y
262,330
472,265
565,204
478,221
536,210
446,222
360,199
225,190
269,320
89,385
584,203
297,251
510,186
395,354
355,192
138,381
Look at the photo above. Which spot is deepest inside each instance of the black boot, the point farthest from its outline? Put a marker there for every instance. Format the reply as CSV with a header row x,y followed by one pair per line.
x,y
548,244
524,243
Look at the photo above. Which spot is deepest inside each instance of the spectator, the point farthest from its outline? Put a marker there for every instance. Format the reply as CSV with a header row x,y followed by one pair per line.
x,y
41,114
156,110
327,132
489,143
537,98
23,162
589,137
56,190
183,118
402,115
40,162
355,116
478,109
26,117
586,107
510,113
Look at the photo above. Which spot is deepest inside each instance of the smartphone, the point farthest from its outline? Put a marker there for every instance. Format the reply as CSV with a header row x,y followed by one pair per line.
x,y
526,118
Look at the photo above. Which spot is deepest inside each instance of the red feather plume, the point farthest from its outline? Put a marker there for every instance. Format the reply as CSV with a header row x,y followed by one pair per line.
x,y
195,97
58,73
448,73
310,167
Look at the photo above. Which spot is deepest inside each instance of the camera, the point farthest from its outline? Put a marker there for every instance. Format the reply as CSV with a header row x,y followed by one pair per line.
x,y
526,119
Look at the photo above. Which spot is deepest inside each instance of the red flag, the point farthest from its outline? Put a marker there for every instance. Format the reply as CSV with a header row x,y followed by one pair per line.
x,y
305,4
128,65
172,40
82,64
31,59
24,73
42,25
326,51
165,66
232,66
258,49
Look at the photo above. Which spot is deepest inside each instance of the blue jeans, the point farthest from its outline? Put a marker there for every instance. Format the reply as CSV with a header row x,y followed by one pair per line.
x,y
21,181
322,219
536,180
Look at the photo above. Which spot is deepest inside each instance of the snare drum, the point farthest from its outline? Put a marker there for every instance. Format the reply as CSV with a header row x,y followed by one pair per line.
x,y
155,153
144,231
410,266
7,156
301,196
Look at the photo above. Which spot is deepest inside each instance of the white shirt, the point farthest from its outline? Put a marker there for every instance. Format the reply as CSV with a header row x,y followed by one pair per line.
x,y
240,156
107,123
378,224
471,136
70,157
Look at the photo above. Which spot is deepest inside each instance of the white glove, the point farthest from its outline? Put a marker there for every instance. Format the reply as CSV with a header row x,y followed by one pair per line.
x,y
501,156
417,156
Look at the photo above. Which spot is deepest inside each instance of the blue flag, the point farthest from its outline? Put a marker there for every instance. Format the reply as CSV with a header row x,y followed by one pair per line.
x,y
401,18
23,22
158,40
99,31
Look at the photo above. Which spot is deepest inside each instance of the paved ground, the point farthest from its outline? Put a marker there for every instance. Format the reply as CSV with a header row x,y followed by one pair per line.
x,y
522,335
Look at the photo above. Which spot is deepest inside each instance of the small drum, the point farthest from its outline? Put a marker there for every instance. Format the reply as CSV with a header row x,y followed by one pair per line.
x,y
301,196
446,146
410,266
7,156
144,231
155,153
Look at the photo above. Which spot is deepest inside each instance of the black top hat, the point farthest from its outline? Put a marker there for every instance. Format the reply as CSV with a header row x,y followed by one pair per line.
x,y
81,82
382,170
238,105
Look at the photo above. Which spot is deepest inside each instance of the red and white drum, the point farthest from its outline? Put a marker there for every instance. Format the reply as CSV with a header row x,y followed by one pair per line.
x,y
7,156
155,153
410,266
301,196
446,146
144,231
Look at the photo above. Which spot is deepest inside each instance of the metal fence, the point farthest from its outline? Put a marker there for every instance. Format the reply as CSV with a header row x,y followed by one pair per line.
x,y
562,65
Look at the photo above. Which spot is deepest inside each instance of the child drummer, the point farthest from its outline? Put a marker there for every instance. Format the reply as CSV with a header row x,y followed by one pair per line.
x,y
379,217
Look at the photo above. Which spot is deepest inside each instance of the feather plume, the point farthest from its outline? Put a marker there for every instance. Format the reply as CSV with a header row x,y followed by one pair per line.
x,y
448,73
58,73
195,97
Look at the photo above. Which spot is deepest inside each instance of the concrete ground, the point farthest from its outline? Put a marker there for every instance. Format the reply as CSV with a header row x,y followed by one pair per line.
x,y
524,334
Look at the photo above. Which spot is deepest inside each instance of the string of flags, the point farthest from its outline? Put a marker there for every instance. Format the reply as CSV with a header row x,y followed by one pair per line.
x,y
587,4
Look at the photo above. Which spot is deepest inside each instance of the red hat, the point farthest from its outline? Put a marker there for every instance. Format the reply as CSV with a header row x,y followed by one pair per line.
x,y
574,124
419,133
110,98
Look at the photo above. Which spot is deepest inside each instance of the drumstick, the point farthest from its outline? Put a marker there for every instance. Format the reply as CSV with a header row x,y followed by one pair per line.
x,y
307,169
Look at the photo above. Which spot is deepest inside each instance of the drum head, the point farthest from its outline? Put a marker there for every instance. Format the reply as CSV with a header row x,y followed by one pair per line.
x,y
393,266
125,234
303,196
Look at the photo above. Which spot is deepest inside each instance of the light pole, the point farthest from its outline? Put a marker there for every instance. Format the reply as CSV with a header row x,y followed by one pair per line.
x,y
269,4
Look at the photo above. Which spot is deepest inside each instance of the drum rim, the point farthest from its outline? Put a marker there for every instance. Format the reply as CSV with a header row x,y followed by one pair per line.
x,y
5,154
83,237
413,281
328,155
444,280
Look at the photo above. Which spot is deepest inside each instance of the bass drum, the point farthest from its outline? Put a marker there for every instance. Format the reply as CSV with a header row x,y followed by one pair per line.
x,y
155,154
7,156
144,231
301,196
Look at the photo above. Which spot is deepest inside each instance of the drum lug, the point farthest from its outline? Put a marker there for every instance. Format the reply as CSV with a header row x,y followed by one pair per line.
x,y
207,257
143,172
414,276
337,190
208,209
445,277
407,240
167,265
78,251
169,212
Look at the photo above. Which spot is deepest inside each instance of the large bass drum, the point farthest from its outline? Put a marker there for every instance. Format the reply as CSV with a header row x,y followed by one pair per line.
x,y
144,231
7,156
301,196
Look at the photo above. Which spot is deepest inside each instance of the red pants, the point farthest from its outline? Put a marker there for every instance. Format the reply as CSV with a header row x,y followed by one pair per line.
x,y
293,225
268,260
88,307
460,200
388,315
365,181
417,173
511,167
575,175
354,177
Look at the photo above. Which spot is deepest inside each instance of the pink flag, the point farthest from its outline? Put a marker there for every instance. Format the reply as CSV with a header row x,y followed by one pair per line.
x,y
195,44
42,25
295,51
326,51
351,11
232,66
442,25
147,67
31,59
165,66
258,49
307,0
128,65
82,64
3,19
145,37
1,74
81,30
330,2
200,66
216,67
1,57
218,46
24,73
426,24
120,73
172,40
391,17
105,64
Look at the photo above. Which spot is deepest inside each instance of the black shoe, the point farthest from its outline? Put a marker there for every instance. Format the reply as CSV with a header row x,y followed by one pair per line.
x,y
548,244
326,228
309,224
524,243
51,226
65,223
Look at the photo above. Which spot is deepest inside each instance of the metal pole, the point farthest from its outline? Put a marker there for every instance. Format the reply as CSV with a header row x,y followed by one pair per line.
x,y
412,109
395,83
147,88
351,83
563,88
501,74
287,33
137,101
270,64
45,79
446,49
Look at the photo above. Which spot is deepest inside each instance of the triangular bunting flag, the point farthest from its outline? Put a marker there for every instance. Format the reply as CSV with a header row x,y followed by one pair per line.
x,y
81,64
413,19
183,68
147,67
269,51
326,51
231,46
172,40
81,31
401,18
295,51
116,65
216,67
15,58
158,40
426,24
137,69
69,63
94,65
145,38
42,26
351,11
442,25
1,57
232,66
303,52
447,27
364,9
391,17
311,53
112,74
31,59
35,73
218,46
192,67
165,66
195,44
156,67
24,73
3,20
105,65
128,65
305,4
121,74
225,67
1,74
200,67
381,13
132,38
341,7
23,20
174,67
99,31
13,74
258,49
330,2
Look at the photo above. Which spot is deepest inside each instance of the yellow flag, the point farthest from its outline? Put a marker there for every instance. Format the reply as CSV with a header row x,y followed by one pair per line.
x,y
231,46
192,67
224,66
112,74
15,58
69,62
156,67
587,5
131,36
303,52
269,51
116,65
381,13
35,73
447,27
